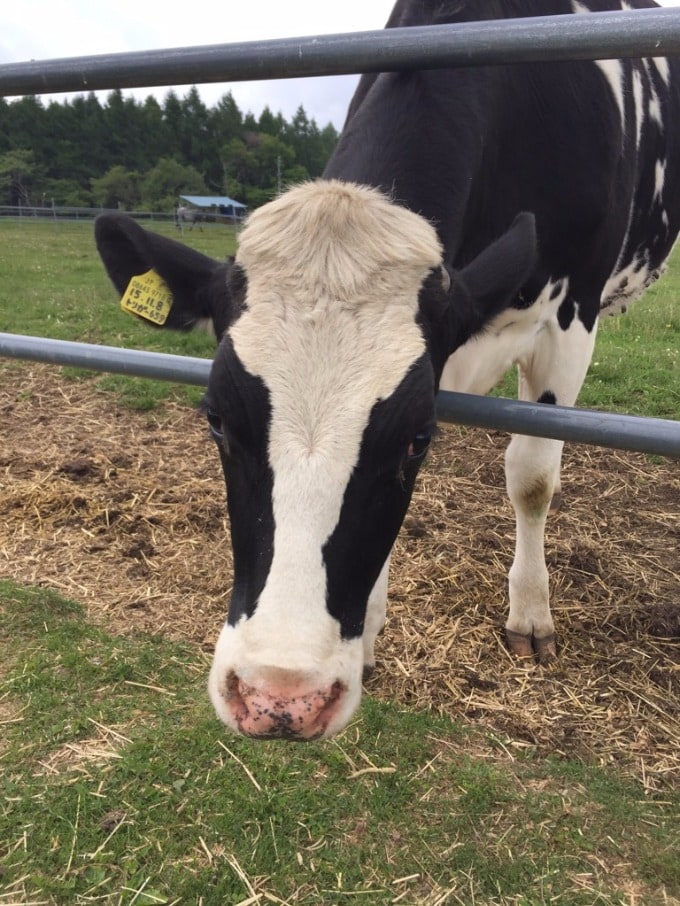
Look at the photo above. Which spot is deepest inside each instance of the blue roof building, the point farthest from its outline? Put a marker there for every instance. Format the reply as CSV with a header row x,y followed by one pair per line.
x,y
222,203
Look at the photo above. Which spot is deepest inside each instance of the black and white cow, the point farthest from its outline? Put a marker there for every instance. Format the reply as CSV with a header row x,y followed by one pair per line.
x,y
410,266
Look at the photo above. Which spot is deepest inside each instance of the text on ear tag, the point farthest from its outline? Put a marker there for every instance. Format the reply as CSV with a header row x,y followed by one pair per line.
x,y
148,296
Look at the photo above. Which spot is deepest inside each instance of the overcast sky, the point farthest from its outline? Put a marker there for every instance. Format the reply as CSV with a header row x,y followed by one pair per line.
x,y
49,29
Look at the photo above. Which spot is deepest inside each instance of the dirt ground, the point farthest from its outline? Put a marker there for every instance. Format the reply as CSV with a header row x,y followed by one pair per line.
x,y
124,512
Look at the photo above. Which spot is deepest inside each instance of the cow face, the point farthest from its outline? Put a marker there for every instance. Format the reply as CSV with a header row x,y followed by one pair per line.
x,y
321,400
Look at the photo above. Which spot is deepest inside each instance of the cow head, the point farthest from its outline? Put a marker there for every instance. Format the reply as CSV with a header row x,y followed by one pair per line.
x,y
336,319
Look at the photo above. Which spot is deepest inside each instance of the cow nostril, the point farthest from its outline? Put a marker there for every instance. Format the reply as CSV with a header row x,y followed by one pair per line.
x,y
233,694
335,692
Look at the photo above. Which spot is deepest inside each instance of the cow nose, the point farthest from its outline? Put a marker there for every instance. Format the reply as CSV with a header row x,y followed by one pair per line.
x,y
284,709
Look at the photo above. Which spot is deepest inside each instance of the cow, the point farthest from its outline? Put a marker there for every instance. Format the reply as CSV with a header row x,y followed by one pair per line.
x,y
468,220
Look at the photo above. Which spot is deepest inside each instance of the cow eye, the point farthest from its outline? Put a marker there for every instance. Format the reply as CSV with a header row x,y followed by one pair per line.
x,y
215,423
418,446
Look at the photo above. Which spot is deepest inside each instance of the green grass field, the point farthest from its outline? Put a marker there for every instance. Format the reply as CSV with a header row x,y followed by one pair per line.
x,y
118,785
53,284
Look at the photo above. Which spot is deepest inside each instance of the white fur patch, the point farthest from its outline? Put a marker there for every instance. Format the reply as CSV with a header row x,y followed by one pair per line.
x,y
663,68
509,340
659,179
334,272
638,96
654,107
611,69
625,286
613,73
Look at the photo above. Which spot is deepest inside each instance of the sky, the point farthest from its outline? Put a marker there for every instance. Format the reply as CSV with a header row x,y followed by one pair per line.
x,y
45,29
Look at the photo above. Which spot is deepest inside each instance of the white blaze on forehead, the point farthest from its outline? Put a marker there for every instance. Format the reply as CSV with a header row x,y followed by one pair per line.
x,y
334,271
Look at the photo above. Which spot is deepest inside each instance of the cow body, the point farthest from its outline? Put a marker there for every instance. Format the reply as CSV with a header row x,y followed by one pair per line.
x,y
593,150
338,324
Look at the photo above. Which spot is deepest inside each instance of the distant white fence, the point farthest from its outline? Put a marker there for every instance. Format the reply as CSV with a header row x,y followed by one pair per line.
x,y
63,212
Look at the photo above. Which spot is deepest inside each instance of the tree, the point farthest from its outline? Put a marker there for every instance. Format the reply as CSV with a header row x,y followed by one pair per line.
x,y
117,188
117,152
172,120
237,163
5,143
226,119
116,120
64,192
25,121
154,129
257,166
272,125
312,147
167,180
16,171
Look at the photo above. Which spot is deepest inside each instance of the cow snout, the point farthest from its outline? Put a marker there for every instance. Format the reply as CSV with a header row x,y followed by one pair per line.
x,y
282,709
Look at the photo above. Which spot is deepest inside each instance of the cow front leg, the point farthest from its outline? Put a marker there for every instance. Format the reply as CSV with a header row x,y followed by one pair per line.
x,y
376,614
553,373
532,473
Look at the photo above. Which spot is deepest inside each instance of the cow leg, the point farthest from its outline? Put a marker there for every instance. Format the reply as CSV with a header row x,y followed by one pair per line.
x,y
376,614
554,373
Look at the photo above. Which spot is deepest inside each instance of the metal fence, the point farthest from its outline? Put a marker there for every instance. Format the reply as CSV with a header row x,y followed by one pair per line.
x,y
648,32
69,213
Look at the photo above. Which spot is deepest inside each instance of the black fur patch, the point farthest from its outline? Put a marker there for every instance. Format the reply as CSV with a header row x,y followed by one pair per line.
x,y
377,497
243,404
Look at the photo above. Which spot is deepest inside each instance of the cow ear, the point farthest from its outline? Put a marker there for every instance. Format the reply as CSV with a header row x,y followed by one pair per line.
x,y
490,283
198,284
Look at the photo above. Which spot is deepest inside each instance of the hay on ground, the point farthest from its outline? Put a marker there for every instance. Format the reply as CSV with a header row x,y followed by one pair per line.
x,y
125,513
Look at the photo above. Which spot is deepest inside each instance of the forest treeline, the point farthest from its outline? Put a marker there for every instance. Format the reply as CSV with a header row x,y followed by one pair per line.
x,y
140,155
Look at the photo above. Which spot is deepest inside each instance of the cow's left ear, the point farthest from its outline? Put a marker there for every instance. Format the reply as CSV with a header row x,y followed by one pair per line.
x,y
199,285
491,282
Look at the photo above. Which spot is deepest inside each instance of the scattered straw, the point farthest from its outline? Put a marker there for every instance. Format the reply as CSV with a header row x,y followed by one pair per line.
x,y
241,764
125,512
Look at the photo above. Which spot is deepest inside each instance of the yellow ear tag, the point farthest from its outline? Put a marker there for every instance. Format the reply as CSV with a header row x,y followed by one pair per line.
x,y
148,296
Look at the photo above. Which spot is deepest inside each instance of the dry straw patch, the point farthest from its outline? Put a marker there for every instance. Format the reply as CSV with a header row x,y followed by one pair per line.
x,y
125,513
78,758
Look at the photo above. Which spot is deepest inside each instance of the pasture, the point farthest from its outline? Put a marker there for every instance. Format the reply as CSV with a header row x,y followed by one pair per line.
x,y
467,778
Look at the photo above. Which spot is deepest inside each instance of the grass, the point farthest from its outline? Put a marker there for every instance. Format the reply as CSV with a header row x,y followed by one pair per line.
x,y
119,786
54,285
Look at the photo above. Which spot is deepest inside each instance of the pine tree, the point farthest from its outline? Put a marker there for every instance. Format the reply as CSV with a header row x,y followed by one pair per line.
x,y
126,152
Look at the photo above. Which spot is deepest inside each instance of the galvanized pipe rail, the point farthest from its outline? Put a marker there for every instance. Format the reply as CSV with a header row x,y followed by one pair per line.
x,y
605,429
608,35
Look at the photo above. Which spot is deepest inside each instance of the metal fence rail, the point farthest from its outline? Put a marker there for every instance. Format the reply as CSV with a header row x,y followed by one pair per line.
x,y
635,33
606,429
